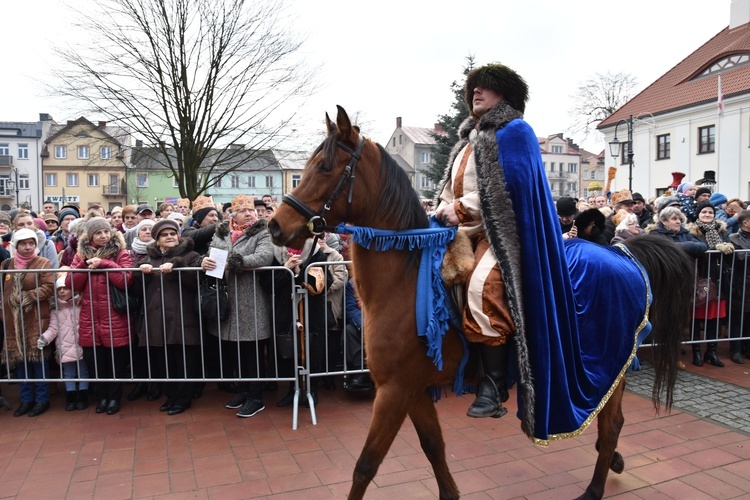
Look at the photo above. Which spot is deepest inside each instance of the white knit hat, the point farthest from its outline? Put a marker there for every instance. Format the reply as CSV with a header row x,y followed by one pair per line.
x,y
24,234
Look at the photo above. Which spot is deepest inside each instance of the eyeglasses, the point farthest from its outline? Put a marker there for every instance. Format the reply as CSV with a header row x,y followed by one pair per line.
x,y
167,233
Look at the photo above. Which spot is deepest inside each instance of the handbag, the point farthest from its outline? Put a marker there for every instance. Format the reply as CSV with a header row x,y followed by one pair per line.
x,y
705,292
213,299
124,303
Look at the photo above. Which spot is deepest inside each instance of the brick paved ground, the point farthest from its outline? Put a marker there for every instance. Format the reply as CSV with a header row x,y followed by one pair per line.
x,y
207,452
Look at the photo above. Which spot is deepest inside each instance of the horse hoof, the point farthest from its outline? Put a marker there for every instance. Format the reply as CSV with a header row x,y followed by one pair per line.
x,y
618,463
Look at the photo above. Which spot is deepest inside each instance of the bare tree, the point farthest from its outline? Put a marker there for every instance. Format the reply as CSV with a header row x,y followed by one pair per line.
x,y
599,97
190,77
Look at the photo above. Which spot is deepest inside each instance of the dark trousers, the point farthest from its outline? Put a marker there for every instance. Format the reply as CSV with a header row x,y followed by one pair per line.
x,y
176,361
739,324
245,360
353,348
107,362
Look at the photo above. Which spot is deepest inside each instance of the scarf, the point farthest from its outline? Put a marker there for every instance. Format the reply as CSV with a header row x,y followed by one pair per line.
x,y
138,246
709,229
237,230
22,262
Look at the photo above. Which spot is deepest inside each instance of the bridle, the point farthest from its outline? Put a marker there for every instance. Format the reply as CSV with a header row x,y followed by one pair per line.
x,y
316,223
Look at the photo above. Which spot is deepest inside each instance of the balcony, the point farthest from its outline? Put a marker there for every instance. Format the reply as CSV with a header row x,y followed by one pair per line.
x,y
7,192
112,190
6,161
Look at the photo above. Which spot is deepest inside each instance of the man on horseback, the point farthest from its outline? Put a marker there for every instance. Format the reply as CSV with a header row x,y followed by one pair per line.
x,y
495,95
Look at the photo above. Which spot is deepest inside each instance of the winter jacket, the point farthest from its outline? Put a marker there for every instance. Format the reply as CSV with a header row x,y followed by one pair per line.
x,y
251,321
692,245
25,322
100,324
339,277
170,311
741,272
63,327
201,236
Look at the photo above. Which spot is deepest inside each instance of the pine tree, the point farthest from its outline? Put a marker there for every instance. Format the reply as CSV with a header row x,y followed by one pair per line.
x,y
449,124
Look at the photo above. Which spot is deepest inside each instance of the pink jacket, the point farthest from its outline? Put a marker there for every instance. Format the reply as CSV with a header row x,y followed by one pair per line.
x,y
63,326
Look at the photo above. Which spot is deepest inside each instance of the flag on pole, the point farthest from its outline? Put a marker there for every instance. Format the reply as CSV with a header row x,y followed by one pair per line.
x,y
720,102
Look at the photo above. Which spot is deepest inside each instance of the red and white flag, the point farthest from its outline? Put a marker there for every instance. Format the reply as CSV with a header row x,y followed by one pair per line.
x,y
720,101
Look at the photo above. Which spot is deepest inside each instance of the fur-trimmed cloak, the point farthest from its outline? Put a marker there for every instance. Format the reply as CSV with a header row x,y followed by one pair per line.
x,y
571,350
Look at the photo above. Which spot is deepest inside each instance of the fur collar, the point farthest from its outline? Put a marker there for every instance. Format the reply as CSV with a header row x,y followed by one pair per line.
x,y
109,251
222,230
185,245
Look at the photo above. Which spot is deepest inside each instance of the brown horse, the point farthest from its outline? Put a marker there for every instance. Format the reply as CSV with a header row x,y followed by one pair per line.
x,y
351,179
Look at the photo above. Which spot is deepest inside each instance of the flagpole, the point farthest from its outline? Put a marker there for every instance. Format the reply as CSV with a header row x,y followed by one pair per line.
x,y
720,105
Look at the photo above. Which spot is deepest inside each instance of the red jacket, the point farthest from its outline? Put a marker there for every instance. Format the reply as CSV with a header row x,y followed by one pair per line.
x,y
99,323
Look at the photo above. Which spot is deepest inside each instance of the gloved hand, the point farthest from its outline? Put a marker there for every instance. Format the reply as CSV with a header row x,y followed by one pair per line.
x,y
725,248
41,343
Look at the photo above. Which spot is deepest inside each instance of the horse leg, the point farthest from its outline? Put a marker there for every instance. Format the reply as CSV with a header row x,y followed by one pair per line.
x,y
425,419
610,424
389,411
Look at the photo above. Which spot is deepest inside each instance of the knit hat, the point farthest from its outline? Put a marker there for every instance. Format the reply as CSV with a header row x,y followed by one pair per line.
x,y
95,224
566,206
242,202
684,187
718,199
162,225
115,210
77,226
60,282
67,211
199,215
24,234
638,197
500,79
40,224
5,217
143,223
702,190
704,204
177,216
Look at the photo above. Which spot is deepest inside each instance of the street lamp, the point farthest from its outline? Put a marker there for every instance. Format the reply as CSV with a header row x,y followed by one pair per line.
x,y
615,145
13,184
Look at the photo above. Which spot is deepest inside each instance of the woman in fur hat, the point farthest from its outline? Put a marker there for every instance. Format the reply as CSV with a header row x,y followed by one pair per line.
x,y
714,234
247,329
104,333
26,309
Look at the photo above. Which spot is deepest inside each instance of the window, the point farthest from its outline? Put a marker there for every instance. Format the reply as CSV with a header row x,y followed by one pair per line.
x,y
23,182
400,137
251,181
23,151
557,149
727,63
425,182
552,166
706,139
71,180
4,149
93,180
573,168
269,181
662,147
141,180
105,153
61,152
83,152
235,181
552,186
394,142
174,182
426,157
50,180
296,179
585,175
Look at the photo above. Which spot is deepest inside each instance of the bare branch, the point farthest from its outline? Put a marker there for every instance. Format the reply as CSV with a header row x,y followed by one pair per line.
x,y
599,97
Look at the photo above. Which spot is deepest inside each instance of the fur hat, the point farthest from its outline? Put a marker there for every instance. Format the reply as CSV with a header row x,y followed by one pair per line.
x,y
203,202
622,196
566,206
718,199
585,218
95,224
162,225
24,234
500,79
242,202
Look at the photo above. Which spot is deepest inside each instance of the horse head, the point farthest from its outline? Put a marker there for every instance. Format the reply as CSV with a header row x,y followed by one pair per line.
x,y
347,179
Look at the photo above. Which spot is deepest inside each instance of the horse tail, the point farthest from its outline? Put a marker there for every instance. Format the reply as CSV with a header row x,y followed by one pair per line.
x,y
670,271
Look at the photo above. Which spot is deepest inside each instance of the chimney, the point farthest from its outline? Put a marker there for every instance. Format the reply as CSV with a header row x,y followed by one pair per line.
x,y
138,143
398,119
439,129
45,117
739,13
102,124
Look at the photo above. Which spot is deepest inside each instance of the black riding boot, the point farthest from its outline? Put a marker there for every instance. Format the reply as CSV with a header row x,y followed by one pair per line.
x,y
697,360
710,356
493,387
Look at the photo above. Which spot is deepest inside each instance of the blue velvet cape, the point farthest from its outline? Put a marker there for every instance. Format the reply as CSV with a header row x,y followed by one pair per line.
x,y
584,304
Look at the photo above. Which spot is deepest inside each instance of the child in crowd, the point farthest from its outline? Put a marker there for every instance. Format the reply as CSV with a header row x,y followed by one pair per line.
x,y
63,326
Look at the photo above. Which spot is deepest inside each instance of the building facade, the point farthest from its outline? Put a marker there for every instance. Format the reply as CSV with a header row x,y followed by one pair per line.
x,y
413,146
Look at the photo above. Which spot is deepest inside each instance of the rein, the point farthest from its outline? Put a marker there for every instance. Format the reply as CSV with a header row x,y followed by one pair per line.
x,y
316,223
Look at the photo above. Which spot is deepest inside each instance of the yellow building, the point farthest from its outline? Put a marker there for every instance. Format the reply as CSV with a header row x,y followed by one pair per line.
x,y
85,164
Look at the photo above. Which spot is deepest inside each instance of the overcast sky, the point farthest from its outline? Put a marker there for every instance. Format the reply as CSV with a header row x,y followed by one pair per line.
x,y
398,58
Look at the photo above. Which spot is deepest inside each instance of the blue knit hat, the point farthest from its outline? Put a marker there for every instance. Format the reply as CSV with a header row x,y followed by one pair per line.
x,y
717,199
67,211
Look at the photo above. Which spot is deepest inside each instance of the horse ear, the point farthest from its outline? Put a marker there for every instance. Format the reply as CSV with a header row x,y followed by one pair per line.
x,y
330,126
343,123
